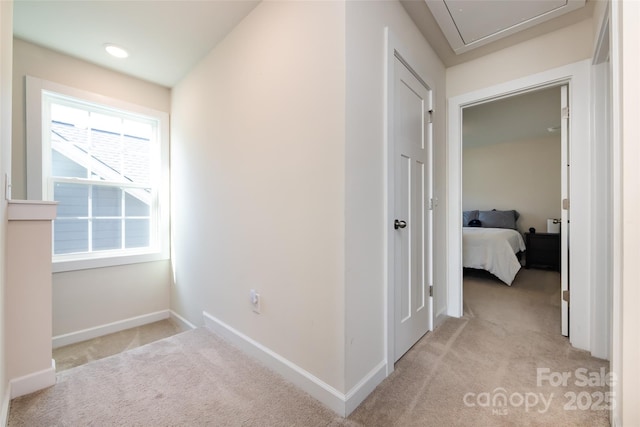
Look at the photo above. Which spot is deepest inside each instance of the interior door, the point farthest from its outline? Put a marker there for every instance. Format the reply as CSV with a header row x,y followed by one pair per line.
x,y
566,223
412,223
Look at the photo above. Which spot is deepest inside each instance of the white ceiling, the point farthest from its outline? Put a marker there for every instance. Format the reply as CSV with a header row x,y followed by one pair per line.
x,y
485,11
468,24
518,118
165,39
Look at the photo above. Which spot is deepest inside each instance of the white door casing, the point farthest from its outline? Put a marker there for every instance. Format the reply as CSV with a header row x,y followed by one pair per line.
x,y
577,75
565,207
412,162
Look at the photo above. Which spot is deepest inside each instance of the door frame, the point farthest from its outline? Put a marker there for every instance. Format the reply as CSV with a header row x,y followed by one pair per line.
x,y
393,49
577,76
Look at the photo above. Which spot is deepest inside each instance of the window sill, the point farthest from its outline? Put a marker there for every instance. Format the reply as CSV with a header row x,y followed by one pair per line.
x,y
108,261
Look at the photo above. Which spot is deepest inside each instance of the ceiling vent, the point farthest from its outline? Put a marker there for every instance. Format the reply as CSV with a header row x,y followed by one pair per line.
x,y
468,24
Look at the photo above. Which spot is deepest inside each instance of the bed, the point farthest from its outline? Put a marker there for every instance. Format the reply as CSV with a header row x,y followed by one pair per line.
x,y
493,243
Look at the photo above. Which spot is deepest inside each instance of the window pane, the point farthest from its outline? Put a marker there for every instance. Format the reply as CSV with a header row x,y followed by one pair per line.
x,y
69,130
106,201
70,236
137,129
106,123
63,166
137,233
136,160
107,234
136,202
73,199
73,116
106,156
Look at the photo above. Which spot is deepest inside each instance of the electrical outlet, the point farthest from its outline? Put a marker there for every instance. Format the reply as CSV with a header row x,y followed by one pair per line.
x,y
255,301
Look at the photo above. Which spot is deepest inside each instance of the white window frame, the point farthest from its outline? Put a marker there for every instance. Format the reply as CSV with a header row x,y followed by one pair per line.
x,y
38,167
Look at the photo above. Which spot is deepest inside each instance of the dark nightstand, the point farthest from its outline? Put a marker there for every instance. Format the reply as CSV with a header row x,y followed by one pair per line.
x,y
543,250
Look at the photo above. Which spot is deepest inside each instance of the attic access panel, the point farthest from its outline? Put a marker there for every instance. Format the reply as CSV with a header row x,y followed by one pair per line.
x,y
468,24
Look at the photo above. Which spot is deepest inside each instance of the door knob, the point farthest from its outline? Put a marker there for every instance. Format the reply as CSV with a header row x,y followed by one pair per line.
x,y
399,224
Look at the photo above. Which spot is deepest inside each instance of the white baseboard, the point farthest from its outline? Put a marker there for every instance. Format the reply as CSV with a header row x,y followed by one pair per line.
x,y
360,391
181,321
109,328
440,318
6,403
33,382
338,402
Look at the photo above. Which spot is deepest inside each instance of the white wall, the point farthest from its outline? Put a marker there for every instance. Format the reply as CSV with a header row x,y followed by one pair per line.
x,y
626,133
365,177
258,184
6,58
521,175
89,298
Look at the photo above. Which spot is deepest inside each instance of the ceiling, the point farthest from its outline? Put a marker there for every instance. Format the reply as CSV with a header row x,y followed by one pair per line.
x,y
483,20
168,38
524,117
165,39
468,24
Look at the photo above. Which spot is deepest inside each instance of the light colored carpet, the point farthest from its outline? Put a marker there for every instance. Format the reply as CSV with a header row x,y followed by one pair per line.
x,y
506,334
80,353
196,379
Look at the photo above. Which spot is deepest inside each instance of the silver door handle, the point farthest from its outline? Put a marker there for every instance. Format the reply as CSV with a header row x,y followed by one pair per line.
x,y
399,224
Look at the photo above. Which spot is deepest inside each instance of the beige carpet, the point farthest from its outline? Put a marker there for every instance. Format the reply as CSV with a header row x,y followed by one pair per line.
x,y
80,353
496,348
196,379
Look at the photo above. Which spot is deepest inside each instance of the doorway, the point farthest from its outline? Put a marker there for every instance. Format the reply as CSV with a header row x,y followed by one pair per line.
x,y
577,77
514,163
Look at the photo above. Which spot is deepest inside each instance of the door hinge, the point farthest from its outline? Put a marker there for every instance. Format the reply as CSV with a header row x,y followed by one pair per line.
x,y
565,295
431,290
565,112
430,116
432,203
565,204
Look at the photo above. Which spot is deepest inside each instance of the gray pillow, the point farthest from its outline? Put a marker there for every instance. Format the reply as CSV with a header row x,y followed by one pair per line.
x,y
467,216
498,219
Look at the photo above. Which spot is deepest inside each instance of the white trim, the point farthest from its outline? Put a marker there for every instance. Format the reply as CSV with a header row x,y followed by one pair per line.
x,y
184,323
33,382
272,360
578,76
109,328
389,242
440,318
342,404
6,404
617,128
365,387
36,163
602,208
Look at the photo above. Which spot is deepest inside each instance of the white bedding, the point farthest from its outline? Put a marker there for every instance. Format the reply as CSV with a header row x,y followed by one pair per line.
x,y
492,249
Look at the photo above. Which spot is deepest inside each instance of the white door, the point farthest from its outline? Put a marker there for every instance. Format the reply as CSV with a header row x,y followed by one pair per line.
x,y
412,215
566,223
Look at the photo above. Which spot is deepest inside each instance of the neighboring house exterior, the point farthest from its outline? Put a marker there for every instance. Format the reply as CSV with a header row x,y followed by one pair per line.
x,y
118,218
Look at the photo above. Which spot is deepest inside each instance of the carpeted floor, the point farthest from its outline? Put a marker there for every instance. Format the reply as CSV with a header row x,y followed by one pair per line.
x,y
80,353
479,370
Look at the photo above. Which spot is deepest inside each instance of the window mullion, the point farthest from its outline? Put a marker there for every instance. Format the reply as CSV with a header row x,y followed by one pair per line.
x,y
90,218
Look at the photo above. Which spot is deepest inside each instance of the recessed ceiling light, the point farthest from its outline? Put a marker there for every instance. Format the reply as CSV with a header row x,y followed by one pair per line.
x,y
116,51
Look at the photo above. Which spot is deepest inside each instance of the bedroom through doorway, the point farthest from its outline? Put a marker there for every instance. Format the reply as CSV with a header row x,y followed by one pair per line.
x,y
512,187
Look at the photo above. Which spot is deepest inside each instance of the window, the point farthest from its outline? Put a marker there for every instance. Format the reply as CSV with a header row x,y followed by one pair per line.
x,y
105,163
